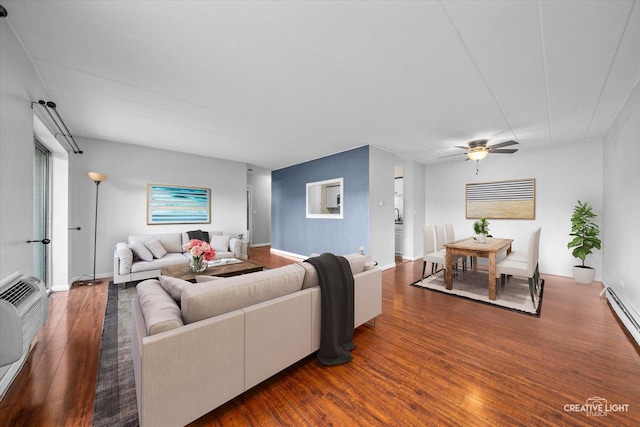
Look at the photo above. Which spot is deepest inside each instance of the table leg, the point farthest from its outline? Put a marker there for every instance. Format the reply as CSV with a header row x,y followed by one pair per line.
x,y
492,275
448,271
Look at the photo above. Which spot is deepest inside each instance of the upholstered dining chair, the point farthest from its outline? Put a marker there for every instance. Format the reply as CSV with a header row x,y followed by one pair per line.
x,y
431,254
440,236
522,256
528,269
449,238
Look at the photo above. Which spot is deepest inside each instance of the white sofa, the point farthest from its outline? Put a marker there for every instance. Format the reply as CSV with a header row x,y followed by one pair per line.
x,y
228,335
141,258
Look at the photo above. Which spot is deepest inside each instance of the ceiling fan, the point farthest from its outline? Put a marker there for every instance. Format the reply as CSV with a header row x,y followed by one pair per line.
x,y
478,150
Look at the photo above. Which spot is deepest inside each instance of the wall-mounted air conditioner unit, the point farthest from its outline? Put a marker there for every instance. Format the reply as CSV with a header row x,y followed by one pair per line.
x,y
24,307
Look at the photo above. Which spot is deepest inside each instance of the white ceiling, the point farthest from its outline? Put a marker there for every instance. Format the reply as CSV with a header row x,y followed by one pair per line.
x,y
275,83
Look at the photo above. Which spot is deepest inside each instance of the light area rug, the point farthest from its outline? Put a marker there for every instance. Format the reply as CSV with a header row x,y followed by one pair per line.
x,y
473,285
115,399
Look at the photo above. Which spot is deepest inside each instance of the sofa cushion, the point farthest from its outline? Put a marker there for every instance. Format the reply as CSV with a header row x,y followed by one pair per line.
x,y
169,260
141,251
173,286
160,311
310,276
156,248
356,262
171,242
125,256
204,300
185,236
220,243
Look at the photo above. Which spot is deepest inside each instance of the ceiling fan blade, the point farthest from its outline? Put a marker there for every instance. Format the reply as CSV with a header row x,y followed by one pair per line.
x,y
452,155
503,144
503,151
464,147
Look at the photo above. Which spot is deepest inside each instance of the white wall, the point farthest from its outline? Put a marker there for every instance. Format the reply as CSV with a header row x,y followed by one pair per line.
x,y
621,231
122,203
563,175
414,213
19,85
260,181
381,207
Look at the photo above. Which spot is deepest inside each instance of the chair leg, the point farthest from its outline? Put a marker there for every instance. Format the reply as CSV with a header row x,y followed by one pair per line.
x,y
424,266
532,290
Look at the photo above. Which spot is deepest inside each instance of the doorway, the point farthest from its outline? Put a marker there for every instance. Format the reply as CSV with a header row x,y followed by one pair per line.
x,y
41,211
247,237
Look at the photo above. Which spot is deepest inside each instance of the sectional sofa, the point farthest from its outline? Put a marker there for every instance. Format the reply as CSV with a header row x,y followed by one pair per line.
x,y
142,256
195,346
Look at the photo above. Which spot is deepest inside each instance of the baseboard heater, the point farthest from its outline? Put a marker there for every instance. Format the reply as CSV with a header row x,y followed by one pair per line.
x,y
24,307
626,316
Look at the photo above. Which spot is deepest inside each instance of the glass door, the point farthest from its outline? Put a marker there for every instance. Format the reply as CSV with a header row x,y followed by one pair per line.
x,y
41,211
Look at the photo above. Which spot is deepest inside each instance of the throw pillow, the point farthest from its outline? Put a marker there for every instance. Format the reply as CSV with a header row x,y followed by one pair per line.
x,y
198,234
220,243
156,248
173,286
141,251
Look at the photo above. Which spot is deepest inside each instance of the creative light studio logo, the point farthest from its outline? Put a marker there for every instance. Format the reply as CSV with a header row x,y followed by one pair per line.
x,y
596,407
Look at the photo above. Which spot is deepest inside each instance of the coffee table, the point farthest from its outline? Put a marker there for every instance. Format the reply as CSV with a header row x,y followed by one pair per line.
x,y
184,272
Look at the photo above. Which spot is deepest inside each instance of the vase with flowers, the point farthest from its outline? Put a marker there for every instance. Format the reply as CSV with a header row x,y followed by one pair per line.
x,y
481,228
201,253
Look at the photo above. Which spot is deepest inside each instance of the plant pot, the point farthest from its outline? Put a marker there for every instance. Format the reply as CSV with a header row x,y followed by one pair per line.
x,y
583,274
482,238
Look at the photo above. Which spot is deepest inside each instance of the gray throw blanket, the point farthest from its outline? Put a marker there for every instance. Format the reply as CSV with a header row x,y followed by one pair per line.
x,y
336,328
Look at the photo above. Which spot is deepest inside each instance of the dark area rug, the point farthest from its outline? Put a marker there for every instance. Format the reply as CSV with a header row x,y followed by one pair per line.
x,y
115,400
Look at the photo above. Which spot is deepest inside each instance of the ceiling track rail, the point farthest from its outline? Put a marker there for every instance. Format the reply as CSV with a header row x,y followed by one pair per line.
x,y
50,106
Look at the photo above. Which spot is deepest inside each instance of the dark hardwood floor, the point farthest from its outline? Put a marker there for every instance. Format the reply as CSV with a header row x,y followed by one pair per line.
x,y
432,359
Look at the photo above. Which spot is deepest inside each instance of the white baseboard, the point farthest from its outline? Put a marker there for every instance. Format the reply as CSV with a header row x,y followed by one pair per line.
x,y
286,254
623,310
259,245
387,266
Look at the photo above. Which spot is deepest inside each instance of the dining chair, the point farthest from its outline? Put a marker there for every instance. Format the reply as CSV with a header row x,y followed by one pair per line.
x,y
431,254
522,256
449,238
440,236
528,269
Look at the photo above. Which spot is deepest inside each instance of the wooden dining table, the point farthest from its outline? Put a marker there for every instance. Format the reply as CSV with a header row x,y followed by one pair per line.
x,y
473,248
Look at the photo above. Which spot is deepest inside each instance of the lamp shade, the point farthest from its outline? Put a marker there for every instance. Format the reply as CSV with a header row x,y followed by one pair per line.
x,y
477,154
97,176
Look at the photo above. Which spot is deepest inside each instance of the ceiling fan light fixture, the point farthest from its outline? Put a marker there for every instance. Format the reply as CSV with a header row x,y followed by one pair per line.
x,y
477,154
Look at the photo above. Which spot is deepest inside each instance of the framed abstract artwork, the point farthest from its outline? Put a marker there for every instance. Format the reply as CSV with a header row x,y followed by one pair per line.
x,y
171,204
514,199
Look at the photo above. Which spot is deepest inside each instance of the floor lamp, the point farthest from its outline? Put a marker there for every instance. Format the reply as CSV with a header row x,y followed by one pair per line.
x,y
97,178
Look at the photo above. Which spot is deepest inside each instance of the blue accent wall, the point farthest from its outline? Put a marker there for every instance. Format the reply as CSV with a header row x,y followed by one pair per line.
x,y
292,231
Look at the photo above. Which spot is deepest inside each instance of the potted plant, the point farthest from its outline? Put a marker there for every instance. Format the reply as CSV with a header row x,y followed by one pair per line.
x,y
481,228
585,239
